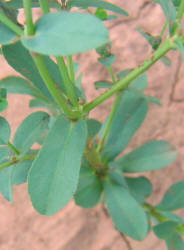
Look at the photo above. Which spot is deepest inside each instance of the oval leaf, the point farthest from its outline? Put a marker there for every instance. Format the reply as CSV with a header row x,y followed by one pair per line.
x,y
165,230
54,174
30,130
124,124
89,188
4,131
127,215
173,198
151,156
60,34
7,36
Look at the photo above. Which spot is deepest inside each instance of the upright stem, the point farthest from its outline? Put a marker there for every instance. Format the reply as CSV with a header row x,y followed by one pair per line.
x,y
110,117
44,5
68,84
121,84
107,126
51,86
29,21
11,25
70,68
163,29
180,11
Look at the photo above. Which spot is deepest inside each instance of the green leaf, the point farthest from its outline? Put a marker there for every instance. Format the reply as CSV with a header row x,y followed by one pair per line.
x,y
117,176
175,243
127,215
18,4
4,131
97,4
30,130
54,174
3,104
17,85
165,230
140,188
8,35
89,188
19,58
168,9
93,127
4,154
5,183
106,61
20,172
103,84
176,2
150,156
60,34
101,14
124,124
173,198
38,103
172,216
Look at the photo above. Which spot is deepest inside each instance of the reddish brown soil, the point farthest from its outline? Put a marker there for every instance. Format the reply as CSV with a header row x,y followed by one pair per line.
x,y
74,228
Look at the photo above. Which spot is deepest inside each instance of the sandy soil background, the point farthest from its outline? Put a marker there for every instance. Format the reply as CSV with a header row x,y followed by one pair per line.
x,y
74,228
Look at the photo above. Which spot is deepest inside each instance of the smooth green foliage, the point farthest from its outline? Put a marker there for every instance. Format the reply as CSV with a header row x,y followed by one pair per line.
x,y
20,172
4,154
19,58
89,188
30,130
5,183
139,187
18,4
7,36
124,124
168,9
127,215
165,230
53,180
117,176
97,4
17,85
60,34
93,127
4,131
175,243
152,155
173,198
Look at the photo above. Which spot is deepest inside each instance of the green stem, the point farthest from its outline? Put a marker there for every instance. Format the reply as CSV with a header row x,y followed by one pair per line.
x,y
44,5
70,68
107,126
13,148
28,14
68,84
180,11
161,218
111,74
51,86
121,84
163,29
11,25
14,161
